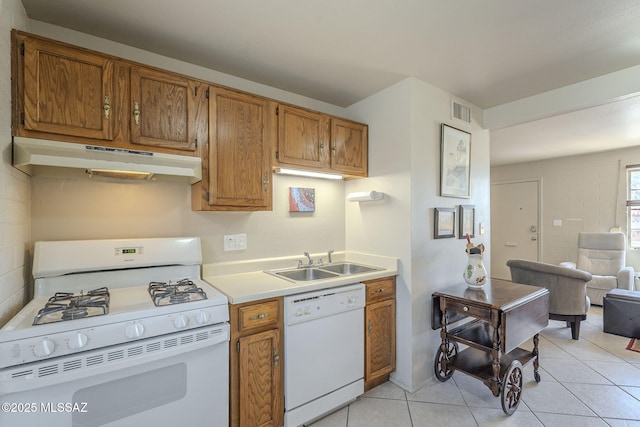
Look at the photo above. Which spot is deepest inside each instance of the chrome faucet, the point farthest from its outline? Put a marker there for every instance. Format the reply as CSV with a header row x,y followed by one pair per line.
x,y
309,258
329,256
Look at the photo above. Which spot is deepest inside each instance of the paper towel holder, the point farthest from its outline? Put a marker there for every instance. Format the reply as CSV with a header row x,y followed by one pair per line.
x,y
365,196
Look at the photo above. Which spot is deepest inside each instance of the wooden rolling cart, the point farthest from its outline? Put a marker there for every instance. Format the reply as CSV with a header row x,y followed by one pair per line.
x,y
492,323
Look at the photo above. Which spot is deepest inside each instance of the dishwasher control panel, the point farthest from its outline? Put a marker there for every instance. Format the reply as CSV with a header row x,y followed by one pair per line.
x,y
326,302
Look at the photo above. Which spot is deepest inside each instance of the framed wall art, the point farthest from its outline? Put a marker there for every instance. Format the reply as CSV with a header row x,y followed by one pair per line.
x,y
455,163
302,199
467,220
444,226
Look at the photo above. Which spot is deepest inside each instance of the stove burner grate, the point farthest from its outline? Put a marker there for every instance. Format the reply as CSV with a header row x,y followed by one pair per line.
x,y
167,293
71,306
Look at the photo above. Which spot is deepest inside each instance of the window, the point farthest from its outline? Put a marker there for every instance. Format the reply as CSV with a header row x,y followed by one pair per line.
x,y
633,205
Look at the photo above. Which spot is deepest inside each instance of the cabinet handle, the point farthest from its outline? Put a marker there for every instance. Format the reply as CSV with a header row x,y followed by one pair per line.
x,y
381,290
265,181
136,113
369,327
276,358
259,316
106,107
334,148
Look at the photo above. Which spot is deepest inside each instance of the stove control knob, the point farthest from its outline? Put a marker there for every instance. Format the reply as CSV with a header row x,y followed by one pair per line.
x,y
78,341
44,348
134,330
181,321
203,318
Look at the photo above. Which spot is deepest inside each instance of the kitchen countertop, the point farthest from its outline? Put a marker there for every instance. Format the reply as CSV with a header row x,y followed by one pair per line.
x,y
247,281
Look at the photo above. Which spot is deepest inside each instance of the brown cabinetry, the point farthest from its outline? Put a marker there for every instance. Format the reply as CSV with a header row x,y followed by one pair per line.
x,y
349,147
237,168
303,137
61,90
256,374
380,331
318,142
163,109
67,93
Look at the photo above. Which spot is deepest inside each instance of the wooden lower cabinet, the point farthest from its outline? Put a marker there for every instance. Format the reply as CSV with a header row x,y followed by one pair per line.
x,y
380,331
256,376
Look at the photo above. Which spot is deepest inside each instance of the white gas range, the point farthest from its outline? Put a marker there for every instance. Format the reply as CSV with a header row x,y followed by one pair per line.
x,y
119,331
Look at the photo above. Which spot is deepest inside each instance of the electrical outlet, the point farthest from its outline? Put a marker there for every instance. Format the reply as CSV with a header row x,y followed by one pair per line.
x,y
235,242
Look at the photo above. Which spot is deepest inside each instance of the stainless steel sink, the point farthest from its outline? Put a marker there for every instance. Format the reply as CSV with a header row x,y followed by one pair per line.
x,y
348,268
305,274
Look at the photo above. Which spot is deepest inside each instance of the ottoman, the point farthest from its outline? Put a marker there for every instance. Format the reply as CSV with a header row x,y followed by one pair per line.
x,y
621,313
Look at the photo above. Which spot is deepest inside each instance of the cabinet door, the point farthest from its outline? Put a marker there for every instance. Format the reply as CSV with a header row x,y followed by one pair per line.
x,y
303,137
162,109
380,339
66,90
239,155
349,144
261,401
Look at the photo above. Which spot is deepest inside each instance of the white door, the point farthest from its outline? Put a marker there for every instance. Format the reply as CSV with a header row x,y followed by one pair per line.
x,y
515,225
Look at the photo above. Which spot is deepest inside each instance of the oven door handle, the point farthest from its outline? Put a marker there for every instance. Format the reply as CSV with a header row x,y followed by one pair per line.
x,y
10,383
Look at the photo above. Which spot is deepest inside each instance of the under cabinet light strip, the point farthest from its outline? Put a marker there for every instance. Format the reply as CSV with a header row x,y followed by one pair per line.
x,y
284,171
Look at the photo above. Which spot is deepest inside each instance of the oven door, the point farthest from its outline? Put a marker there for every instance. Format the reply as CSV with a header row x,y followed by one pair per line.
x,y
178,379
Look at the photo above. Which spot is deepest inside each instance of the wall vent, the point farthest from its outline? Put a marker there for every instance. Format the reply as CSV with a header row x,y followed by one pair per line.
x,y
460,112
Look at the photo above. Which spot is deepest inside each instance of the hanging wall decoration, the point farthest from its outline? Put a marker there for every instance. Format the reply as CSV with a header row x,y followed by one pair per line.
x,y
455,163
467,220
302,199
444,226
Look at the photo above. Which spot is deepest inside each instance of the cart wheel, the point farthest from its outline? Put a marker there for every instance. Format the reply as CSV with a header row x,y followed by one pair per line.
x,y
536,376
452,351
511,388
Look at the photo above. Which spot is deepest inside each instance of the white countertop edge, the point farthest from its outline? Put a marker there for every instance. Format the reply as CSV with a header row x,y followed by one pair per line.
x,y
240,284
262,264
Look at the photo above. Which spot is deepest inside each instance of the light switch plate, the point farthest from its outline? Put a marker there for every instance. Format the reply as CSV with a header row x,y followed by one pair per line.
x,y
235,242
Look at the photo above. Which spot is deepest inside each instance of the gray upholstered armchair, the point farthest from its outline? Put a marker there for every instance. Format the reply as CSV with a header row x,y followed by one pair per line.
x,y
604,256
568,300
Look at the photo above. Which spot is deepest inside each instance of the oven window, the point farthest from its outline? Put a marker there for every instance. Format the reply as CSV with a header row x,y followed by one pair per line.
x,y
111,401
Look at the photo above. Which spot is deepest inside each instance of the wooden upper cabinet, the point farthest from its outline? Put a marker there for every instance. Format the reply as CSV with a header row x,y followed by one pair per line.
x,y
303,137
162,109
349,147
239,161
64,90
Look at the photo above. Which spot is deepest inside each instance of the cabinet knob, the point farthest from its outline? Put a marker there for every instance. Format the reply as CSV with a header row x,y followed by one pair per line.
x,y
465,308
136,113
106,107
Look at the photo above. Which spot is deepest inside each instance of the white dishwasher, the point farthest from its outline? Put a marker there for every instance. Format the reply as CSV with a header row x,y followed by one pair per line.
x,y
324,352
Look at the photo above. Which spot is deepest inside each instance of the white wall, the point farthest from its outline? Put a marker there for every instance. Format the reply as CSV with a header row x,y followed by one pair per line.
x,y
405,122
64,209
14,185
587,193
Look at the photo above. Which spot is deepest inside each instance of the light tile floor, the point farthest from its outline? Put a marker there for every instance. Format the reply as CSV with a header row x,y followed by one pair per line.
x,y
594,381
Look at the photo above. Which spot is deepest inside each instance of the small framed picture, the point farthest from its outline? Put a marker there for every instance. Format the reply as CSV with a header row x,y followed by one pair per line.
x,y
467,220
444,223
302,199
455,163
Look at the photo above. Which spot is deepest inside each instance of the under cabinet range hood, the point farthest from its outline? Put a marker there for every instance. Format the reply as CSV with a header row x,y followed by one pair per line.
x,y
38,157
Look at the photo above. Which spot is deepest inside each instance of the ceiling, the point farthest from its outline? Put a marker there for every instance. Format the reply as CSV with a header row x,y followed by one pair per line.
x,y
487,52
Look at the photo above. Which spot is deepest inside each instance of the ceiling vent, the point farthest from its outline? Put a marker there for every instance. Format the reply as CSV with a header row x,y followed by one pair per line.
x,y
460,112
